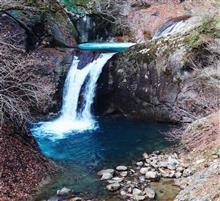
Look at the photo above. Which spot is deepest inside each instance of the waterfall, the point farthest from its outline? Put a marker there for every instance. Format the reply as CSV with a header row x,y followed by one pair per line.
x,y
170,28
72,119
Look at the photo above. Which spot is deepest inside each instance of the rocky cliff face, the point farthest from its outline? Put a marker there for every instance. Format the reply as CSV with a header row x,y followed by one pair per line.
x,y
138,20
168,79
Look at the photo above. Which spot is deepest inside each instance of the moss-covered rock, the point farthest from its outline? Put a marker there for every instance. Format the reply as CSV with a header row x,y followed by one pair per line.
x,y
46,19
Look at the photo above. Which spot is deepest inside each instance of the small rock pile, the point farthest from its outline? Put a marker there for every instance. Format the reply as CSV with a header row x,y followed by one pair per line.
x,y
65,194
133,183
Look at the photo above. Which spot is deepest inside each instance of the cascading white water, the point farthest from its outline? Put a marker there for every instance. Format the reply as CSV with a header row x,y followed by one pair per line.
x,y
71,120
91,86
170,28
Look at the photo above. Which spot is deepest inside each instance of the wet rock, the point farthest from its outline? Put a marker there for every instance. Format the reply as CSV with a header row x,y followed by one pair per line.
x,y
124,194
100,173
140,163
107,176
172,163
163,164
180,169
178,174
142,179
187,172
136,191
152,175
150,193
145,156
113,187
121,168
64,192
116,180
157,152
124,174
144,170
164,172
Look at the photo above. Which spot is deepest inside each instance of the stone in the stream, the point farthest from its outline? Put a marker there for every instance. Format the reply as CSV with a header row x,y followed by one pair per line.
x,y
100,173
107,176
115,180
145,156
178,174
121,168
157,152
136,191
172,163
162,164
142,179
64,192
154,163
172,174
124,173
140,163
164,172
150,193
113,187
180,169
123,193
152,175
144,170
187,172
137,194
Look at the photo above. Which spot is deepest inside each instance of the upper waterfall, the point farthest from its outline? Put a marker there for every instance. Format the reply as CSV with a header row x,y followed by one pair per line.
x,y
176,26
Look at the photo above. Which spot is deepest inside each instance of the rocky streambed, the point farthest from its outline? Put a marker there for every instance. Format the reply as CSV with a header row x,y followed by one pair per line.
x,y
139,181
150,178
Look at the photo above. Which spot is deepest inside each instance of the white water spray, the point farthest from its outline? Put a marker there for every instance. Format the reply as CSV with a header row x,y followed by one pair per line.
x,y
71,120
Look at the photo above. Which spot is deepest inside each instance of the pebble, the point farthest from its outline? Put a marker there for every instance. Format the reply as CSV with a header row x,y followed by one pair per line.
x,y
152,175
145,156
140,163
172,163
106,176
64,191
113,187
121,168
142,179
144,170
100,173
152,168
124,174
150,193
115,180
187,172
136,191
178,175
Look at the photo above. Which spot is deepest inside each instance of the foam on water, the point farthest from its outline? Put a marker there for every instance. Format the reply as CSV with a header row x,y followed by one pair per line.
x,y
70,120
